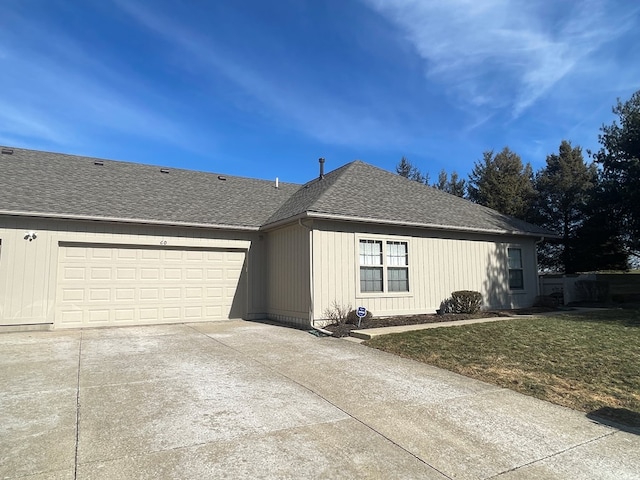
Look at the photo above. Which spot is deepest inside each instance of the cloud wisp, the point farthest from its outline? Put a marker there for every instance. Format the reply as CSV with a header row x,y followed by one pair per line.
x,y
288,95
60,91
503,54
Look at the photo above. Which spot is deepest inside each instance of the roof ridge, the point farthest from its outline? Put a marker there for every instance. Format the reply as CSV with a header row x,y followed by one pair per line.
x,y
337,173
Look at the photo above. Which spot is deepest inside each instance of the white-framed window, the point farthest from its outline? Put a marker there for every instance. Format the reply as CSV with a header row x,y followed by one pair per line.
x,y
371,266
516,273
384,266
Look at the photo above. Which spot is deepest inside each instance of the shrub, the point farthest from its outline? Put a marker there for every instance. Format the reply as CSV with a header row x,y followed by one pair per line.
x,y
353,319
337,313
445,307
466,301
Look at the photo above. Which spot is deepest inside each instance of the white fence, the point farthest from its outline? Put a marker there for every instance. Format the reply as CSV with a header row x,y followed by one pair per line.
x,y
563,287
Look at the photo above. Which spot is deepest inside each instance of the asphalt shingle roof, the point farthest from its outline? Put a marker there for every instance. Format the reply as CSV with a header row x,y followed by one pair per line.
x,y
51,184
361,191
46,183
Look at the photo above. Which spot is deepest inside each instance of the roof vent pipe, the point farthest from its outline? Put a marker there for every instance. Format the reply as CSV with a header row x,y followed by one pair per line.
x,y
321,160
277,183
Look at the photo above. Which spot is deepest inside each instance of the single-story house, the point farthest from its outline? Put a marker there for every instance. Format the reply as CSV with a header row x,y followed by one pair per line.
x,y
90,242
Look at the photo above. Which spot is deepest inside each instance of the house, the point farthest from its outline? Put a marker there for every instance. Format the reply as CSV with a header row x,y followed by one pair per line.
x,y
90,242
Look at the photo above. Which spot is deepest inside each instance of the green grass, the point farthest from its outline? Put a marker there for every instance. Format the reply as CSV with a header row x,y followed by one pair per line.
x,y
588,361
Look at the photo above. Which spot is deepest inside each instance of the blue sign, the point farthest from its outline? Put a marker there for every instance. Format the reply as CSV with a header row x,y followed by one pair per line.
x,y
361,312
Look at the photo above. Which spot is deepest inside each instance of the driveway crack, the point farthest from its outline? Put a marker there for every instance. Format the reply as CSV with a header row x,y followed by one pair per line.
x,y
555,454
75,461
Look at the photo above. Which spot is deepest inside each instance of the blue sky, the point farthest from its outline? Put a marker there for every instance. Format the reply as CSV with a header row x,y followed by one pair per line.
x,y
263,88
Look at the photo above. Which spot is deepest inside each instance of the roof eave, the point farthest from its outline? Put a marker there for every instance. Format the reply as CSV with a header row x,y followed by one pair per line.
x,y
431,226
137,221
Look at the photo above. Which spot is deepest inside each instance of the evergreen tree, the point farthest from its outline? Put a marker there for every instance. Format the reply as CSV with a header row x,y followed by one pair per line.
x,y
598,242
453,185
441,184
563,190
406,169
457,186
500,181
620,159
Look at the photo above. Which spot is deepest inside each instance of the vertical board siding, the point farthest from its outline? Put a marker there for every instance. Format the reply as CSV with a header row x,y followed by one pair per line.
x,y
288,278
439,264
28,270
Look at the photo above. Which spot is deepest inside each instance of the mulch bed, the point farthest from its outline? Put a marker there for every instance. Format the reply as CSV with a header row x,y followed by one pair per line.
x,y
344,330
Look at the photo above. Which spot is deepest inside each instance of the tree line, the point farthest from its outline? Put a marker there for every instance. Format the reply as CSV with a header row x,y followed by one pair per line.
x,y
593,206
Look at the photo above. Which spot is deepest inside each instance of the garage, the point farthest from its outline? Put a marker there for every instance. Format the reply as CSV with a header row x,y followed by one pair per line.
x,y
105,285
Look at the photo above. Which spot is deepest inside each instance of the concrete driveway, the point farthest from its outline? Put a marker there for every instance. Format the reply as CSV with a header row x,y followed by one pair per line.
x,y
251,400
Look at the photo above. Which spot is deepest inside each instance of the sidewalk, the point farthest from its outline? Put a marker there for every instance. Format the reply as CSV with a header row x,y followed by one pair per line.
x,y
369,333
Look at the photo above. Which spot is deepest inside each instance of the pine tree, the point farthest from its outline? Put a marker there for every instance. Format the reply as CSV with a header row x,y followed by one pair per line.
x,y
620,159
564,189
500,181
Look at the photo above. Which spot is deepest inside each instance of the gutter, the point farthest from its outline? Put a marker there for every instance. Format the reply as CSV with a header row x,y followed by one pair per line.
x,y
347,218
137,221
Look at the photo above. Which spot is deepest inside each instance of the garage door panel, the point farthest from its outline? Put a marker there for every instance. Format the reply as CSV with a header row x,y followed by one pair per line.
x,y
100,295
100,273
172,274
172,293
74,273
101,254
125,294
102,285
171,313
153,255
125,273
124,315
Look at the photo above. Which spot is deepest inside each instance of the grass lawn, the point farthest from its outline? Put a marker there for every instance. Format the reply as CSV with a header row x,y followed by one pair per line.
x,y
588,361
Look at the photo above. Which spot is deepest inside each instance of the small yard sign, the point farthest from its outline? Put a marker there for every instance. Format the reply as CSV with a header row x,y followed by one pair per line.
x,y
361,312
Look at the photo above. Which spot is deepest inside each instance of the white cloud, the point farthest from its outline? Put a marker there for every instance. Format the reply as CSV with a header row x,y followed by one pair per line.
x,y
502,53
60,91
278,94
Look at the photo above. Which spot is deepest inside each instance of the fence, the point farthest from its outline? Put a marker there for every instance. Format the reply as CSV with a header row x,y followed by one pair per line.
x,y
591,287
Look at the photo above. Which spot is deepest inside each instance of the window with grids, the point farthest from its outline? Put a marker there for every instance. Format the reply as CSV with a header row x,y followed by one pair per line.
x,y
398,266
371,266
384,266
516,274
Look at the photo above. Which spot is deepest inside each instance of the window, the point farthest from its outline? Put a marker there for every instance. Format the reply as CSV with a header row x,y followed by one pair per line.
x,y
398,266
384,273
516,276
370,266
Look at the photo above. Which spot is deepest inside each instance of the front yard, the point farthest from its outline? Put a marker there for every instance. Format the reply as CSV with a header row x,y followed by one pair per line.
x,y
586,361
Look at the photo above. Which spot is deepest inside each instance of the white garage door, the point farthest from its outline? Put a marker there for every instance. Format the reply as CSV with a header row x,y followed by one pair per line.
x,y
109,285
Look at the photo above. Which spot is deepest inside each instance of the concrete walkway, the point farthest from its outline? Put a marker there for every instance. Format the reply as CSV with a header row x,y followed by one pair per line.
x,y
251,400
369,333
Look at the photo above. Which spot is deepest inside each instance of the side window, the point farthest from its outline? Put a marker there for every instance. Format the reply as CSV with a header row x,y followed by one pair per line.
x,y
398,266
370,266
384,266
516,275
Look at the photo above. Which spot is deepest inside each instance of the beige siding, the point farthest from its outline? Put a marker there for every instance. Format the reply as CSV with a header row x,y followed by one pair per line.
x,y
288,284
29,269
439,263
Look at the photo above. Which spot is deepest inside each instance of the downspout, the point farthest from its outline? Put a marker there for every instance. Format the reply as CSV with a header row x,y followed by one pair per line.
x,y
537,269
311,284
